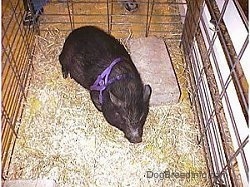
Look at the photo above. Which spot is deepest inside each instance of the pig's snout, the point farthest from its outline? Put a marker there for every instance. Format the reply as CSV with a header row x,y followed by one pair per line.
x,y
134,137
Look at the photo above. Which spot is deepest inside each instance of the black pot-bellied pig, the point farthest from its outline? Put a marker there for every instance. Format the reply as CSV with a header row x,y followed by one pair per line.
x,y
99,63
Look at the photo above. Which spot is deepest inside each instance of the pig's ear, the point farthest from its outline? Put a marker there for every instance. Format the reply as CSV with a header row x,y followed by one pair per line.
x,y
95,98
115,100
147,93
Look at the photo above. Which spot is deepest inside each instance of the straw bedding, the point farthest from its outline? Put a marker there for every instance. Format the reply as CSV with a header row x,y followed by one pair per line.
x,y
63,137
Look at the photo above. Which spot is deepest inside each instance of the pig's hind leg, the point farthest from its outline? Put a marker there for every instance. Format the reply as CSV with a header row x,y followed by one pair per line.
x,y
64,72
63,63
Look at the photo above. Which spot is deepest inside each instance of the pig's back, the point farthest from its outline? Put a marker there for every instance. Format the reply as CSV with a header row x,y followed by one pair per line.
x,y
93,45
88,51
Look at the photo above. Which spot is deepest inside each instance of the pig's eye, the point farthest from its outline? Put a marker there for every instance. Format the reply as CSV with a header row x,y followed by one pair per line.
x,y
119,117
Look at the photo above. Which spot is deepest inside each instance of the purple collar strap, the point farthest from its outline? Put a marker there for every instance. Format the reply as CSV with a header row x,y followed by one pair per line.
x,y
103,81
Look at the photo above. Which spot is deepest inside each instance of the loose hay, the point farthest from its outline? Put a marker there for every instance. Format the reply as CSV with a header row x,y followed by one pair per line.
x,y
63,137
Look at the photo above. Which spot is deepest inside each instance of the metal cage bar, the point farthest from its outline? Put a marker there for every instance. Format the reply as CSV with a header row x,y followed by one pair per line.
x,y
222,128
147,22
17,50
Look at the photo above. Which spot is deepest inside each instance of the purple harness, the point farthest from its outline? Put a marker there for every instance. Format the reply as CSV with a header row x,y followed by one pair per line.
x,y
103,81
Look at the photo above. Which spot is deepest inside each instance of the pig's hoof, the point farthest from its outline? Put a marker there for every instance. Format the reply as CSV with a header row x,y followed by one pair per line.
x,y
65,74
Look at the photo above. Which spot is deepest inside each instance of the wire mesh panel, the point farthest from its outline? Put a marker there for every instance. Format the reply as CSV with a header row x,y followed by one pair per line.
x,y
17,47
215,40
152,17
